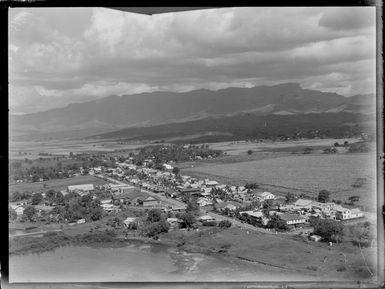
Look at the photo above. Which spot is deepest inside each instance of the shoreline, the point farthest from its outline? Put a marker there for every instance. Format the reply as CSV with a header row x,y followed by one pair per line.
x,y
38,245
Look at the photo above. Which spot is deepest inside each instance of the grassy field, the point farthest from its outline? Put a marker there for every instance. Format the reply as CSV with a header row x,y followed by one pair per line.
x,y
239,148
285,253
57,184
64,147
301,174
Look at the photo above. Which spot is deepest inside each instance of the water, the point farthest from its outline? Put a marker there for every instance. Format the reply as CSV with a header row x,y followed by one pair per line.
x,y
135,262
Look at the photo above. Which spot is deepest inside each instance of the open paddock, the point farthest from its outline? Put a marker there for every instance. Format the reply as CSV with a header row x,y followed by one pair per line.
x,y
64,147
301,174
289,253
241,147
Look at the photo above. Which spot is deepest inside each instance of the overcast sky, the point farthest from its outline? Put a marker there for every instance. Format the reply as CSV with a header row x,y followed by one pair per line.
x,y
59,56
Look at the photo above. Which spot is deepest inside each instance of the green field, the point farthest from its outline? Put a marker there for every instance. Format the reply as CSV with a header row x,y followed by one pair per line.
x,y
241,147
301,174
57,184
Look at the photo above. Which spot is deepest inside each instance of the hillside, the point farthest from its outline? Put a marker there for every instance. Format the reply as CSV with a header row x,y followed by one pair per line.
x,y
117,112
342,124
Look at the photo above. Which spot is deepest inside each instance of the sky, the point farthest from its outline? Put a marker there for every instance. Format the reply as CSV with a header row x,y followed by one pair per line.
x,y
59,56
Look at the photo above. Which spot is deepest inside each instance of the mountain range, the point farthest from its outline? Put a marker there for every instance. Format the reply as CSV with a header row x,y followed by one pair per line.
x,y
115,113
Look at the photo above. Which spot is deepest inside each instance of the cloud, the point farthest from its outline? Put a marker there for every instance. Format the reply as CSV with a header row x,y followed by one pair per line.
x,y
350,18
106,52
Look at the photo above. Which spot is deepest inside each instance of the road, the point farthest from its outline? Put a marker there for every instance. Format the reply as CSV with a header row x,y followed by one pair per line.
x,y
34,233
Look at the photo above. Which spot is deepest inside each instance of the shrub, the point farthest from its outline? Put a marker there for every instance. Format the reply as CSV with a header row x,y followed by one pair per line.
x,y
312,267
224,224
341,268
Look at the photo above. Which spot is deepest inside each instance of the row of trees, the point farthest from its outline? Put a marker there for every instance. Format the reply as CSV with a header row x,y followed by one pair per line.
x,y
176,153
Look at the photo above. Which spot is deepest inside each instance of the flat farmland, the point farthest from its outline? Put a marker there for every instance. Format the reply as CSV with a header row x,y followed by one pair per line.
x,y
241,147
301,174
57,184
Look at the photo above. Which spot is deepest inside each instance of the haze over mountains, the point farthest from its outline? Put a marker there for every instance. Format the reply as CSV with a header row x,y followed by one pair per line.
x,y
148,109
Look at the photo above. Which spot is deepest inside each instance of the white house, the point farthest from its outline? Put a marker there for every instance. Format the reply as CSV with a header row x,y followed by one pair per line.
x,y
254,214
206,218
356,213
263,196
204,202
130,220
81,221
293,219
342,213
84,187
19,209
303,204
209,183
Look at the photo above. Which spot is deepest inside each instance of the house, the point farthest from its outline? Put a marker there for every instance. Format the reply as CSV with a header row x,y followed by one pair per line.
x,y
232,206
322,207
130,220
167,167
302,204
81,221
121,188
150,202
204,202
106,201
253,214
19,209
179,208
85,188
293,219
356,213
263,196
342,213
206,218
158,190
108,207
174,222
209,183
191,191
257,215
315,238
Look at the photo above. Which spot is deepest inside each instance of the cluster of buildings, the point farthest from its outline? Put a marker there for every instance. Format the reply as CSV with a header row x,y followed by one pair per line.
x,y
209,194
328,210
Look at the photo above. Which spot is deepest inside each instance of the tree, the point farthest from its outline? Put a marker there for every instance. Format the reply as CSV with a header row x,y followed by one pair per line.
x,y
12,214
192,206
346,143
277,223
251,186
154,215
307,150
329,230
188,219
224,224
59,198
336,144
154,229
50,196
249,152
290,198
95,213
37,198
354,199
176,170
324,196
29,214
363,234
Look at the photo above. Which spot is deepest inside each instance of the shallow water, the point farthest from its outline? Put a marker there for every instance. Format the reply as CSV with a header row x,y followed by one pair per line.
x,y
135,262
